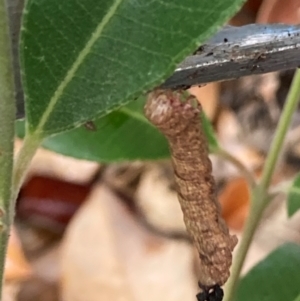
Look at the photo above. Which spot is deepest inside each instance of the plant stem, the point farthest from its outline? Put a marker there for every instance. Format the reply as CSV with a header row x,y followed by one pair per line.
x,y
256,211
7,117
24,157
282,128
239,165
259,196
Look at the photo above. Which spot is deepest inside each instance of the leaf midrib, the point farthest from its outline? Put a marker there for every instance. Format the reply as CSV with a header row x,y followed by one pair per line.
x,y
77,63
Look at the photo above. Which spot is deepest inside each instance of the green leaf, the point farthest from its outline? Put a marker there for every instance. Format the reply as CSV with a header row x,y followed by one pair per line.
x,y
297,298
293,198
210,133
124,134
275,278
82,59
121,135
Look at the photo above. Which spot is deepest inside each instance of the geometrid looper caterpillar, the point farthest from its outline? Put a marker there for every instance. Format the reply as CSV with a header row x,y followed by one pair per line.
x,y
178,118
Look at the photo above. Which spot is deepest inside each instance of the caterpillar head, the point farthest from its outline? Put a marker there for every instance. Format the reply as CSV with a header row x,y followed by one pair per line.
x,y
170,111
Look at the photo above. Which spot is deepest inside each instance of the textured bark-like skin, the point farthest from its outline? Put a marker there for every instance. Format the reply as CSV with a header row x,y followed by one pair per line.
x,y
180,122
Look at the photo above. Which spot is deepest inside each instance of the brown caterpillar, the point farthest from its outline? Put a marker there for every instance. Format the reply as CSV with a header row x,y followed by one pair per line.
x,y
178,119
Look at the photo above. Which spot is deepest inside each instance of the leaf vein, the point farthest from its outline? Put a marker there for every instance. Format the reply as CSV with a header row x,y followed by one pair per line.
x,y
80,59
156,53
146,25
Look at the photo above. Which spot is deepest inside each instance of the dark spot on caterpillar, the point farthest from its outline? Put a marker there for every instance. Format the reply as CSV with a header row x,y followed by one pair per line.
x,y
90,126
214,293
207,178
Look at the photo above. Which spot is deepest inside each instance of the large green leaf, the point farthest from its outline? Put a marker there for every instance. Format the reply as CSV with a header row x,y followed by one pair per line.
x,y
124,134
297,298
293,200
82,59
274,279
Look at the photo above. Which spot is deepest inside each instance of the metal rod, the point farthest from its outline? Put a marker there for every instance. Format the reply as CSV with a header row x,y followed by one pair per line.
x,y
240,51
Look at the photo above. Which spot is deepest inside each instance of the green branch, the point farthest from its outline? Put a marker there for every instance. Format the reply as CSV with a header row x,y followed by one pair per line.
x,y
7,118
21,166
260,198
282,128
